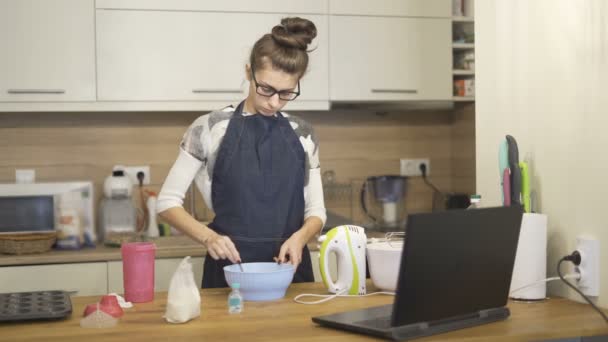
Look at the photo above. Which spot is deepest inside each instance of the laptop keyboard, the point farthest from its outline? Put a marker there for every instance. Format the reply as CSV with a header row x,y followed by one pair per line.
x,y
380,322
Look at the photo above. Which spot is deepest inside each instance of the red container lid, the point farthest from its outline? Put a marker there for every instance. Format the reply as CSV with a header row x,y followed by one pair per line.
x,y
112,308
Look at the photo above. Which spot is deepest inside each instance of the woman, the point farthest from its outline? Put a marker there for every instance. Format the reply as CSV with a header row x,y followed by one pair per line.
x,y
257,168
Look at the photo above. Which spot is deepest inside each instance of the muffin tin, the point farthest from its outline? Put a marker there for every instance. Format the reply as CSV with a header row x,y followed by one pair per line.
x,y
24,306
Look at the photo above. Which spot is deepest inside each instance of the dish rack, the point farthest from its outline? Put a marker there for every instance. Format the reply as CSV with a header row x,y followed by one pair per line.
x,y
335,191
27,243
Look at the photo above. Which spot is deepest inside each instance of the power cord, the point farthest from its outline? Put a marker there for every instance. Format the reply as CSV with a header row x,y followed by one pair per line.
x,y
339,294
436,191
567,276
422,168
575,258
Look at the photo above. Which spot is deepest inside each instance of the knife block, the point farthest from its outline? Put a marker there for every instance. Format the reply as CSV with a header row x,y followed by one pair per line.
x,y
531,259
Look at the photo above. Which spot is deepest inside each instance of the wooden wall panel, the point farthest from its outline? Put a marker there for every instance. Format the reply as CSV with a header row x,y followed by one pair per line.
x,y
354,144
463,149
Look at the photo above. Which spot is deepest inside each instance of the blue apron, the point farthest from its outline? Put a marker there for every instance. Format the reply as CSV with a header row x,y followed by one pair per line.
x,y
257,192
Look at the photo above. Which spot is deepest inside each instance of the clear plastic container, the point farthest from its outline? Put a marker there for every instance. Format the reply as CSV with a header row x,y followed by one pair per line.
x,y
235,299
98,319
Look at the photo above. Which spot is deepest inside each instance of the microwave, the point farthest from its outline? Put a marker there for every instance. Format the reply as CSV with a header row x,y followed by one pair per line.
x,y
35,207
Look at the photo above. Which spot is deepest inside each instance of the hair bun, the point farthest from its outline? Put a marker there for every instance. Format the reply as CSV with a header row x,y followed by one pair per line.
x,y
295,33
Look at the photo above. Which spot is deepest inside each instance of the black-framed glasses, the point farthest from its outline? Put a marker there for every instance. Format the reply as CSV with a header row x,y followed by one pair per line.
x,y
268,91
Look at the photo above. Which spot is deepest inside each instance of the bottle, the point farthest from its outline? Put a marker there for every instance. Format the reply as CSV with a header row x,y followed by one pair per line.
x,y
235,300
69,229
474,200
152,230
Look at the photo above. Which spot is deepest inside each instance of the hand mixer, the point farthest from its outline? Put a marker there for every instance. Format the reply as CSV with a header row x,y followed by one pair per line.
x,y
348,242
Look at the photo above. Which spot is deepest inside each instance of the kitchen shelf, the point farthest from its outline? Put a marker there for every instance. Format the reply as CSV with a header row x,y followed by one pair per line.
x,y
463,19
463,45
461,72
463,51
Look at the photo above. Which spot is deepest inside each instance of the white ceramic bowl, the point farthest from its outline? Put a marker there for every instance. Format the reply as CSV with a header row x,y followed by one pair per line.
x,y
384,260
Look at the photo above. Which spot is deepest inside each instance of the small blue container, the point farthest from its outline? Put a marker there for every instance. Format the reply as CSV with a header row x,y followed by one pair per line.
x,y
261,281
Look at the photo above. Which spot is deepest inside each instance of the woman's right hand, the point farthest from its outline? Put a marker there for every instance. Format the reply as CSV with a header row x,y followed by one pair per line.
x,y
221,247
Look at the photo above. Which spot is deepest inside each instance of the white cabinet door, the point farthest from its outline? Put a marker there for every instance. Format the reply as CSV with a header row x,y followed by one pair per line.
x,y
87,279
389,59
189,56
48,50
163,271
403,8
263,6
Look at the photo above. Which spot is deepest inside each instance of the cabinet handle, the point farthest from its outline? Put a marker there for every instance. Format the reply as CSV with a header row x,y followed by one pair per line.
x,y
395,91
36,91
217,91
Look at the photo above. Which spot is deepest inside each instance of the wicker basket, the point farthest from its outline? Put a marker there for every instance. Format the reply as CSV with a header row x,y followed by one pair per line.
x,y
26,243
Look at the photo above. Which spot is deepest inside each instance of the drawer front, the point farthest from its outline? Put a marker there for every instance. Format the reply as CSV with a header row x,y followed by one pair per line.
x,y
163,271
86,279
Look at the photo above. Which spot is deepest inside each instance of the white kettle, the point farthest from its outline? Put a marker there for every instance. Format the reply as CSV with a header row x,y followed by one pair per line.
x,y
349,243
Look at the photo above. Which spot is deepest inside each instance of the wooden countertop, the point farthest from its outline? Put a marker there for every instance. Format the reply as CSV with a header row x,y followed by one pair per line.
x,y
166,247
286,320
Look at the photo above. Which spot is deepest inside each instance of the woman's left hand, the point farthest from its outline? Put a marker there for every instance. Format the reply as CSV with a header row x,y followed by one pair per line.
x,y
292,248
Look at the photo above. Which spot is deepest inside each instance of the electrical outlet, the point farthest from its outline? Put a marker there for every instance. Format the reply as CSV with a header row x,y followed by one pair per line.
x,y
131,172
411,167
25,176
589,269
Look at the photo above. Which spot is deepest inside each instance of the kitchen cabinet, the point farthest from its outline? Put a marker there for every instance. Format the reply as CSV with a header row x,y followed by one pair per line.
x,y
191,56
375,58
260,6
163,271
84,278
48,50
400,8
183,55
463,47
98,278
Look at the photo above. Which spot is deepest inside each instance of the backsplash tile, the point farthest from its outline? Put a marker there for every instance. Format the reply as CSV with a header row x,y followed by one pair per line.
x,y
354,144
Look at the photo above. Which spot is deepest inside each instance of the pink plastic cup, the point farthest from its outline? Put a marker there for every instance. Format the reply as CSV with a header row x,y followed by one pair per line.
x,y
138,271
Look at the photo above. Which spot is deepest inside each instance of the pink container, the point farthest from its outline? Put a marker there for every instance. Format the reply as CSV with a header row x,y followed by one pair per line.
x,y
138,271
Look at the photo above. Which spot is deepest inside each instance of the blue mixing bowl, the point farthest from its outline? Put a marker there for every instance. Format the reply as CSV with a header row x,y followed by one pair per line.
x,y
261,281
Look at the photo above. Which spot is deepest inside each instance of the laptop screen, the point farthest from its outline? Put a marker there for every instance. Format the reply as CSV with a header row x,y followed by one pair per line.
x,y
456,263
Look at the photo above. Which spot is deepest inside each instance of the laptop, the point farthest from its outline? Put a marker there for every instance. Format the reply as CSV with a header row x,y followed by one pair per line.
x,y
455,272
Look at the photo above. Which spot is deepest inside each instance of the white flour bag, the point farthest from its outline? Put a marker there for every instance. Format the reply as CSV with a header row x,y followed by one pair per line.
x,y
184,300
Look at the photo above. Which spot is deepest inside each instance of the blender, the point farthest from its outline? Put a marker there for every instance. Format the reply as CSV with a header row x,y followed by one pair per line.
x,y
383,201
